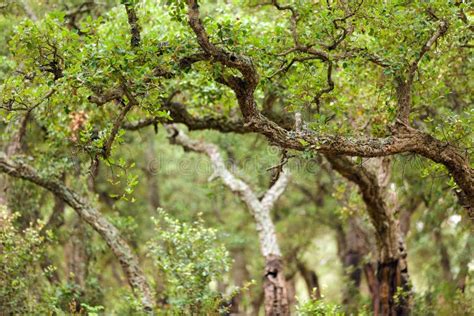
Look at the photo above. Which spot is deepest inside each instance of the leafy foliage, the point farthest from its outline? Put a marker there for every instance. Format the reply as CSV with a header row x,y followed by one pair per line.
x,y
190,257
20,253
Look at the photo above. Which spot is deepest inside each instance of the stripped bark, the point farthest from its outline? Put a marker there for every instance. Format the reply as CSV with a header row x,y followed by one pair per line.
x,y
275,290
370,272
93,217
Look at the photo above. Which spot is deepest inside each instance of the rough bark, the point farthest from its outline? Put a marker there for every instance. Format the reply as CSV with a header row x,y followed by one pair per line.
x,y
133,23
370,272
392,269
403,140
275,292
406,213
93,217
274,287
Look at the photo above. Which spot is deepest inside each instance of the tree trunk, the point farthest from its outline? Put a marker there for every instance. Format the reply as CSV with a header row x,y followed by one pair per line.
x,y
77,257
274,287
392,269
392,274
311,279
373,284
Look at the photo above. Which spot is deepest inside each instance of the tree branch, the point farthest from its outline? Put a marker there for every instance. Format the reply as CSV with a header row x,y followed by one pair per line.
x,y
93,217
277,189
214,53
442,29
179,114
404,87
404,140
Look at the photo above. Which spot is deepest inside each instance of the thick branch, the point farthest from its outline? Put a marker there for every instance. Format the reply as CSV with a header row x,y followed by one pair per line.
x,y
392,257
371,194
179,114
406,140
93,217
276,300
276,190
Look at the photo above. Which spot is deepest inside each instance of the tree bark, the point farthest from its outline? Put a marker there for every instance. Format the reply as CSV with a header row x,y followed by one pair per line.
x,y
274,287
93,217
392,268
370,272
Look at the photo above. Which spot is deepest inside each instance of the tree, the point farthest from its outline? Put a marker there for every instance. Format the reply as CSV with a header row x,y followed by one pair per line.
x,y
358,82
275,288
